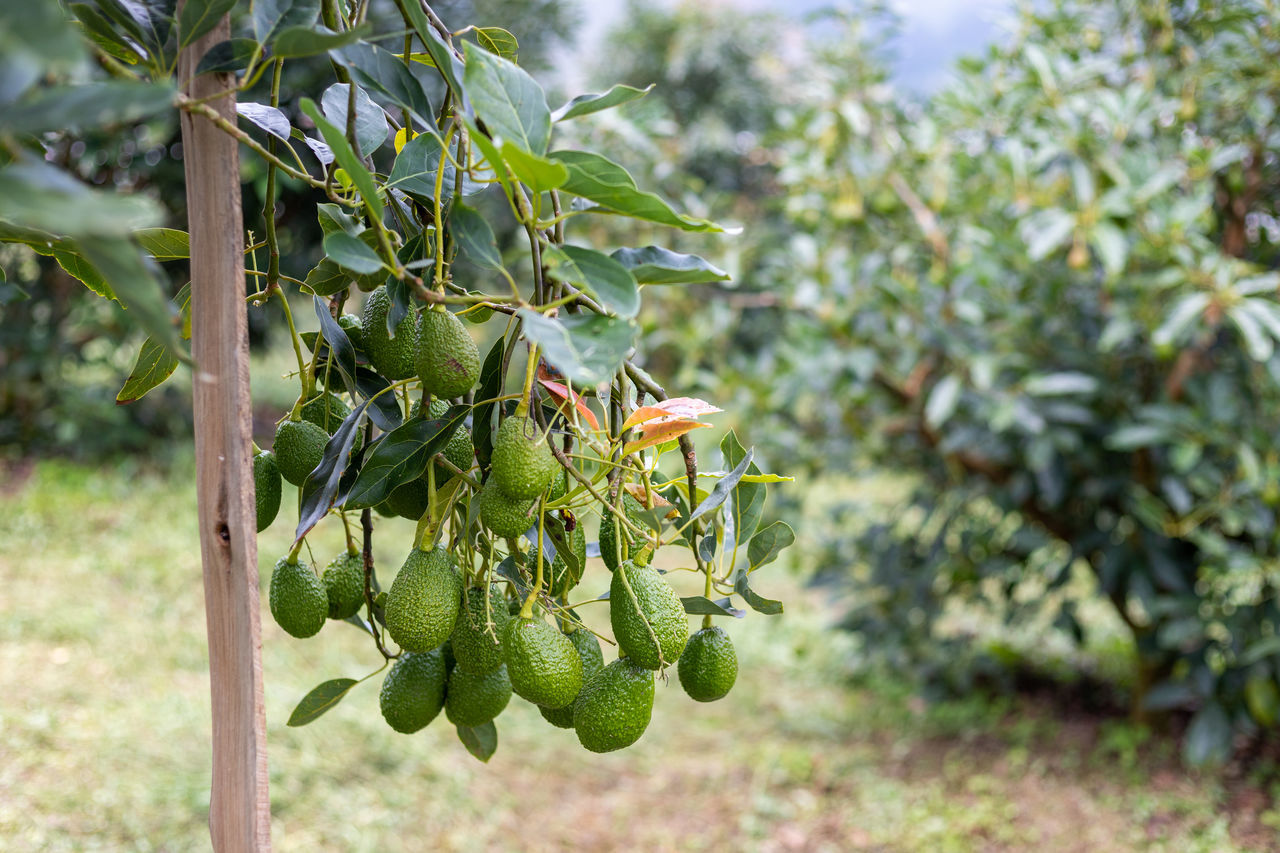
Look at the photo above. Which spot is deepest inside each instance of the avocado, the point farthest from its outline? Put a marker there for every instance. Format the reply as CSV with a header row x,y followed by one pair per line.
x,y
343,581
422,604
266,487
475,647
615,707
542,663
298,601
611,546
708,666
559,580
299,447
413,691
592,662
392,357
522,464
473,699
647,616
506,517
448,361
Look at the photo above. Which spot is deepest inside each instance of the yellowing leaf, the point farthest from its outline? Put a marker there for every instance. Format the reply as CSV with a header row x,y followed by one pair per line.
x,y
403,135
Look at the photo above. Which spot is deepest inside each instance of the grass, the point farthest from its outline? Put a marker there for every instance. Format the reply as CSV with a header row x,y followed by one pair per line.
x,y
105,717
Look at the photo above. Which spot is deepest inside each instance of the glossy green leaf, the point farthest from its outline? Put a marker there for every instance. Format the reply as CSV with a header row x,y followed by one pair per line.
x,y
509,101
747,504
499,41
384,74
540,174
474,237
594,103
351,254
227,57
586,348
164,244
402,455
1208,738
267,117
481,741
320,699
697,605
155,363
608,281
656,265
121,264
600,180
309,41
371,121
490,388
767,544
272,16
42,197
84,272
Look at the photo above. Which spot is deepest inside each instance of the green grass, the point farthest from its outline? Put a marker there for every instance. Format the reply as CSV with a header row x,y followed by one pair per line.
x,y
104,727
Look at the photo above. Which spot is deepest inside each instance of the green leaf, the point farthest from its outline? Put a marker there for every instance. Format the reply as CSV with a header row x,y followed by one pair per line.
x,y
385,74
402,455
305,41
371,121
498,41
1208,738
227,57
271,16
267,117
481,741
164,244
594,103
103,33
197,17
41,242
122,266
509,101
351,254
542,175
346,158
586,348
321,489
327,278
656,265
155,363
333,218
604,182
766,545
88,105
1062,382
35,39
42,197
698,605
473,235
490,388
320,699
942,402
607,280
748,498
758,603
416,167
721,491
449,66
84,272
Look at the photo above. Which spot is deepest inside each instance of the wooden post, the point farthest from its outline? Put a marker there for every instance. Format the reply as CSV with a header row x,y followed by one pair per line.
x,y
239,810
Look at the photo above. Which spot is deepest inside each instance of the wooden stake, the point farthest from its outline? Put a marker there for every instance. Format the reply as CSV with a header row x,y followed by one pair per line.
x,y
239,809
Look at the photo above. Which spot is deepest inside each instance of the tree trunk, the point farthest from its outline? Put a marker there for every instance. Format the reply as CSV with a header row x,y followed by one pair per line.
x,y
239,810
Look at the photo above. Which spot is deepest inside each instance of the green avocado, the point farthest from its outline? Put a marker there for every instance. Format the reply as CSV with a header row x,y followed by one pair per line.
x,y
298,601
392,357
422,604
448,361
506,517
351,324
647,616
559,580
522,464
543,664
473,699
326,411
592,662
266,487
409,500
459,451
299,447
474,646
344,584
413,691
708,666
615,707
611,547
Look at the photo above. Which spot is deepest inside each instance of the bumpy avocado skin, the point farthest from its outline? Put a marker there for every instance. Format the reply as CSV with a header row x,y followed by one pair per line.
x,y
473,699
475,649
459,451
592,662
413,691
409,500
643,607
266,488
299,447
542,663
298,601
343,581
610,526
392,357
522,464
615,707
448,361
422,604
708,667
505,516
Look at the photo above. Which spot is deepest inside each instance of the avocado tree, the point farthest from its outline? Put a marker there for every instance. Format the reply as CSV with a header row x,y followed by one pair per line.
x,y
504,459
1048,294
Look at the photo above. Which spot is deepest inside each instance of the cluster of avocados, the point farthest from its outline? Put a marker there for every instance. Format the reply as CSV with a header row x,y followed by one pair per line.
x,y
469,639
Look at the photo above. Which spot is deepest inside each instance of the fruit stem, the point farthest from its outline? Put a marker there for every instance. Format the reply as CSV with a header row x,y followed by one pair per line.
x,y
297,351
530,371
293,552
526,610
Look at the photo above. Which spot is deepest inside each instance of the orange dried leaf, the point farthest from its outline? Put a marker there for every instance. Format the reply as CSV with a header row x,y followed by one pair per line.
x,y
657,433
636,490
563,393
673,409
